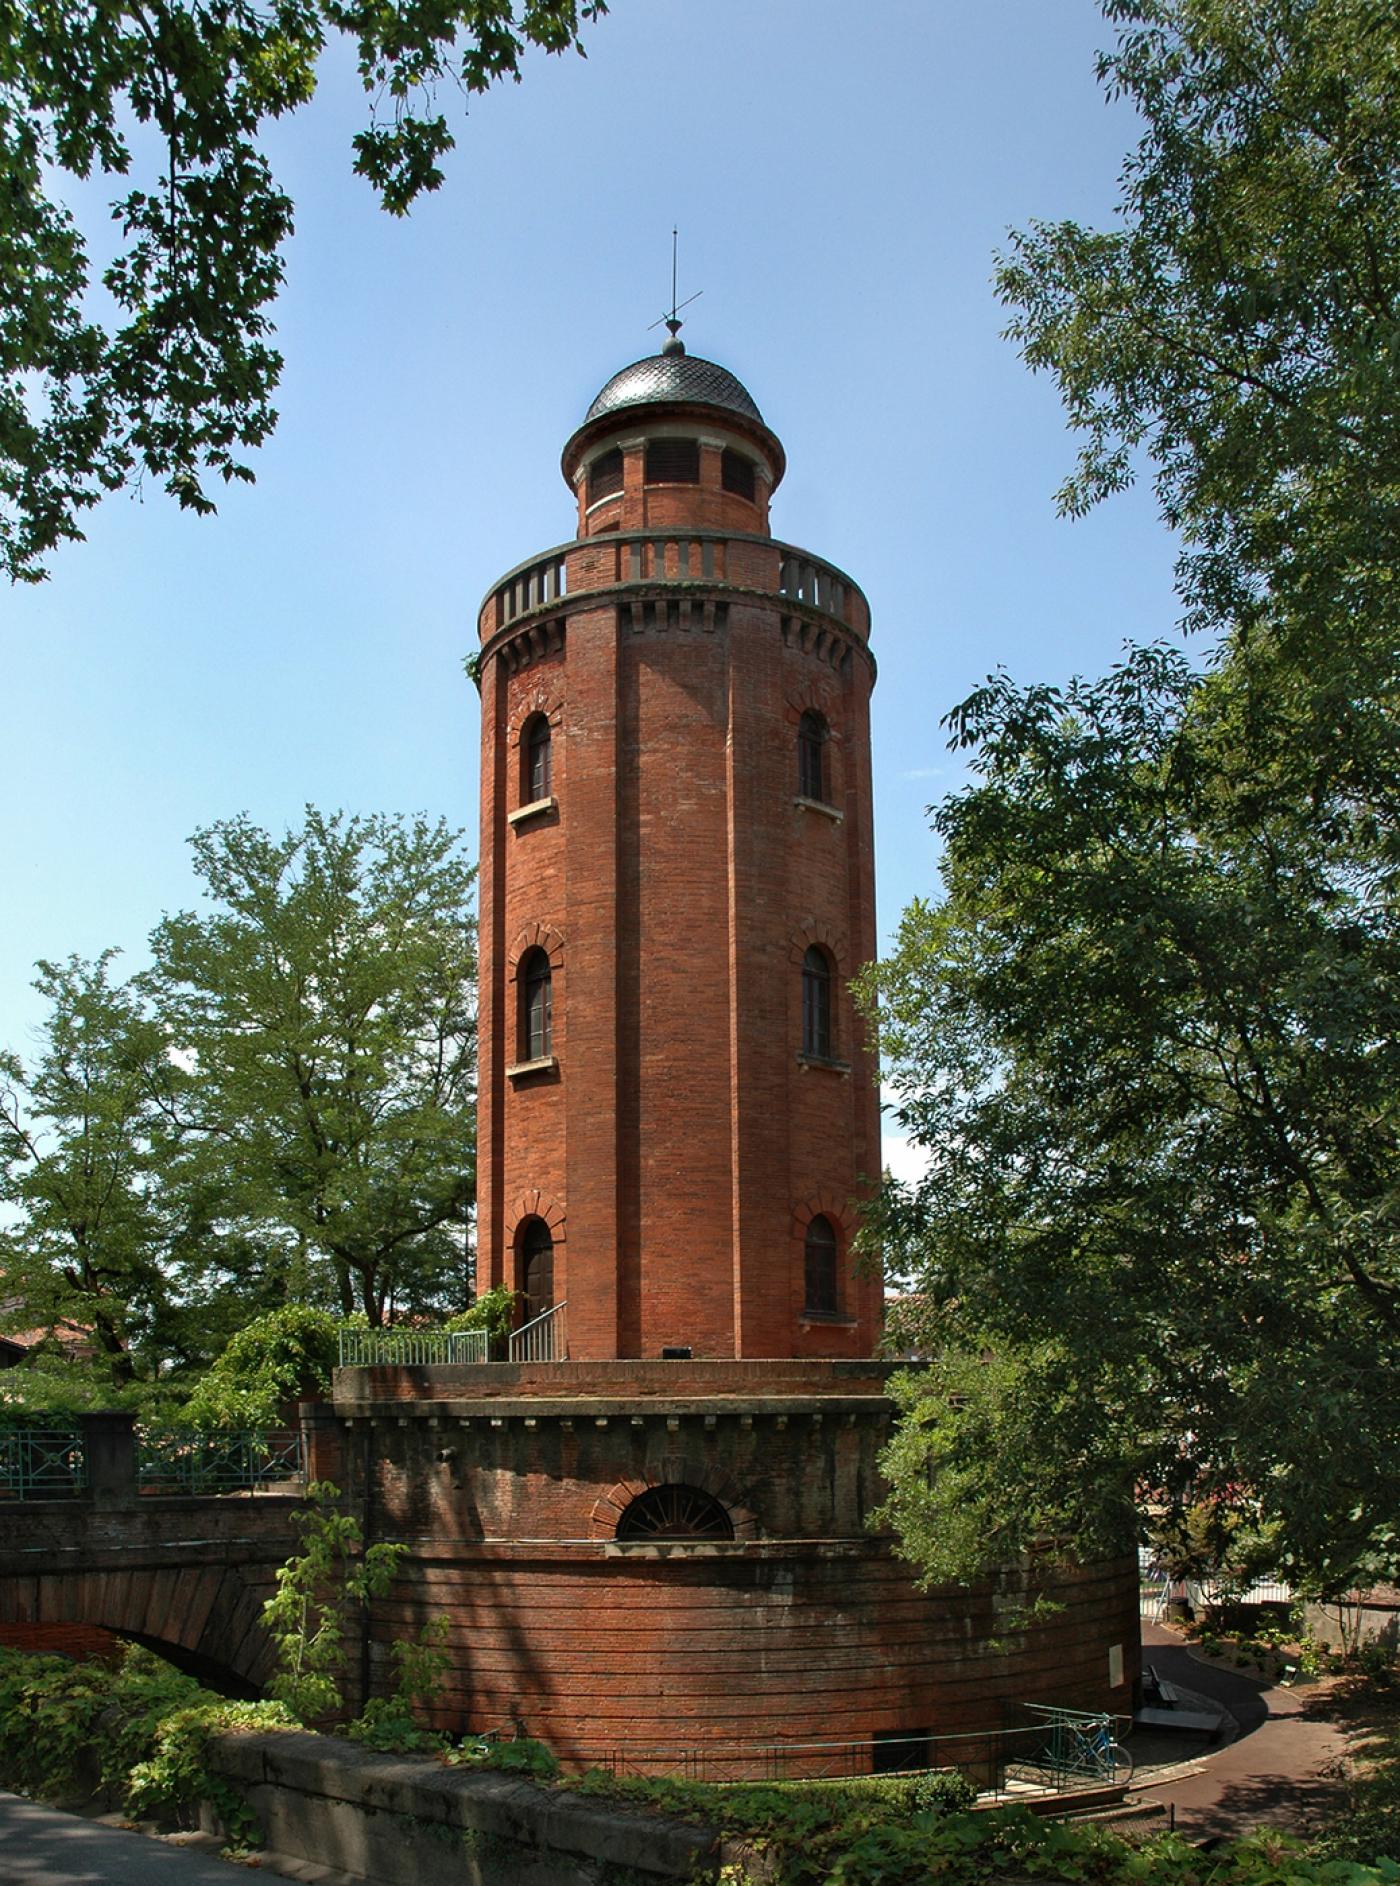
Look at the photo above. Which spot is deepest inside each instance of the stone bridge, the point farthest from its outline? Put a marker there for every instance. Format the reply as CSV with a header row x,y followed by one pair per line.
x,y
184,1573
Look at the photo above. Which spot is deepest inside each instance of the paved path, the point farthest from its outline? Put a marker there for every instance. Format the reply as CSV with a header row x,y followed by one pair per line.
x,y
41,1847
1272,1775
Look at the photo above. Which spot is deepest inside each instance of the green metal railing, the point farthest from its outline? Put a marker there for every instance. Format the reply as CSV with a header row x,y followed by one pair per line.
x,y
1076,1747
412,1348
194,1461
41,1464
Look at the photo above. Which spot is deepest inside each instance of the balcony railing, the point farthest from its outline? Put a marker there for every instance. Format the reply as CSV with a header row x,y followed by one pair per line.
x,y
545,1338
412,1348
807,579
531,587
666,556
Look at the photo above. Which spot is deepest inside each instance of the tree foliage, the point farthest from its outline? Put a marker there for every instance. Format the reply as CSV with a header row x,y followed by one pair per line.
x,y
1149,1043
274,1122
1149,1036
95,1239
326,1005
318,1591
171,97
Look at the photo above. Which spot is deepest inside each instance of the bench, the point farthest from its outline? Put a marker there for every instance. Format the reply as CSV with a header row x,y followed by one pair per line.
x,y
1164,1710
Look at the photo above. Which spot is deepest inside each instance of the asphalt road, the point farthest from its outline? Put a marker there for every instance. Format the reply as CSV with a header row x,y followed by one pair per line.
x,y
41,1847
1280,1771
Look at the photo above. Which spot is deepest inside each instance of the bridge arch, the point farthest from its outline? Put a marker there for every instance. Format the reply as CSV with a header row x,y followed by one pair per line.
x,y
204,1619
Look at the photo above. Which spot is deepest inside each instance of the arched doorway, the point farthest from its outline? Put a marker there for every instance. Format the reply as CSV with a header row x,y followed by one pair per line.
x,y
535,1268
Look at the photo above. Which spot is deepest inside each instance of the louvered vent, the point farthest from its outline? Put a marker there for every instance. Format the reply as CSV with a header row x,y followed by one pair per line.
x,y
673,462
605,475
737,474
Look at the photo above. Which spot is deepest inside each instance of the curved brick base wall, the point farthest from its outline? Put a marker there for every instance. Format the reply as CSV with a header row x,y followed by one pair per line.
x,y
508,1485
643,1654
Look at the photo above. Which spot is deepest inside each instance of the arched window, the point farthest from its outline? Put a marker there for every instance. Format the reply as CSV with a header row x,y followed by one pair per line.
x,y
535,1267
536,1007
816,1004
675,1512
811,756
605,475
535,760
819,1268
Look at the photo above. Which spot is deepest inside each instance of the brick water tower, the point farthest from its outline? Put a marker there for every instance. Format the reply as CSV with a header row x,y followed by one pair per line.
x,y
649,1529
678,1107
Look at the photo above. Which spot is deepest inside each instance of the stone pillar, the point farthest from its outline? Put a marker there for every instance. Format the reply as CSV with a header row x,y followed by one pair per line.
x,y
323,1438
109,1449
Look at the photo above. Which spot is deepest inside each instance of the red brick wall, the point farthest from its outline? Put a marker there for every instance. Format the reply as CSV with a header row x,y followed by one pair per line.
x,y
659,1648
679,1147
84,1643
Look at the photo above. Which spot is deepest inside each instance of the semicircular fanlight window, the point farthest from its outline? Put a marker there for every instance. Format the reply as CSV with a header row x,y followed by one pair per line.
x,y
675,1512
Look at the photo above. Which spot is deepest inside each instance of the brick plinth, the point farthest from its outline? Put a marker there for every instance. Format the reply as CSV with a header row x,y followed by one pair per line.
x,y
801,1627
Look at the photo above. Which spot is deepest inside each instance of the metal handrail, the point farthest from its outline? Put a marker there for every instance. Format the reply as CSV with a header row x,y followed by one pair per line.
x,y
545,1338
412,1348
219,1460
42,1463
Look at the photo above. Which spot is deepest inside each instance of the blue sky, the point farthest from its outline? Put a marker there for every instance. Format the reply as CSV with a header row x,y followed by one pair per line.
x,y
841,177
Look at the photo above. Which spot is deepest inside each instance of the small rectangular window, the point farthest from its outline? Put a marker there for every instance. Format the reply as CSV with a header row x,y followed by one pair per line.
x,y
673,462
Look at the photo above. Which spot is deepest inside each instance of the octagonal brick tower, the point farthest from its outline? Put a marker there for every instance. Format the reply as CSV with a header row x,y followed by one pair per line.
x,y
677,1104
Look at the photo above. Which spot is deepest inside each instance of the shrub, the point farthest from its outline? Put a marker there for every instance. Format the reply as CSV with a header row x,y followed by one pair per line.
x,y
134,1731
493,1311
275,1359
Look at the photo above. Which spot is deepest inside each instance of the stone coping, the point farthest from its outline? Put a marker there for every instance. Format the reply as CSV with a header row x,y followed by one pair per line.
x,y
434,1549
588,1410
528,1821
757,1378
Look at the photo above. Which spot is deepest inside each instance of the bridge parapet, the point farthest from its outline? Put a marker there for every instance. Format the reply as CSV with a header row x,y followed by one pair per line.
x,y
107,1460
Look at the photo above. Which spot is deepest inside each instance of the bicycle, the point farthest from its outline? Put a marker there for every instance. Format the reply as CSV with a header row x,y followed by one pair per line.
x,y
1090,1748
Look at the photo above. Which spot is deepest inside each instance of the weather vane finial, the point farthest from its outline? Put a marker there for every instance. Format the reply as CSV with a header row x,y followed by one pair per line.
x,y
673,344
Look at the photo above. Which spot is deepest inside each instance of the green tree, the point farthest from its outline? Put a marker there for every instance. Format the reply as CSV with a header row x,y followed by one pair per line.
x,y
1149,1043
325,1006
1148,1038
83,1138
1239,332
179,385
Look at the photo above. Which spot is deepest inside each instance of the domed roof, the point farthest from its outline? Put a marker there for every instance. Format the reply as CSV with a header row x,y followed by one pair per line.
x,y
674,375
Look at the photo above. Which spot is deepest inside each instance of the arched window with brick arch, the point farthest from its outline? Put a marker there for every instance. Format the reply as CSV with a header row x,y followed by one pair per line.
x,y
536,760
812,736
534,1267
675,1511
536,982
820,1252
816,1004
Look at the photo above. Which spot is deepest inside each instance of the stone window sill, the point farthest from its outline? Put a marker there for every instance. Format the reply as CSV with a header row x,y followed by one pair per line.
x,y
829,1319
546,1064
536,809
805,1061
819,805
